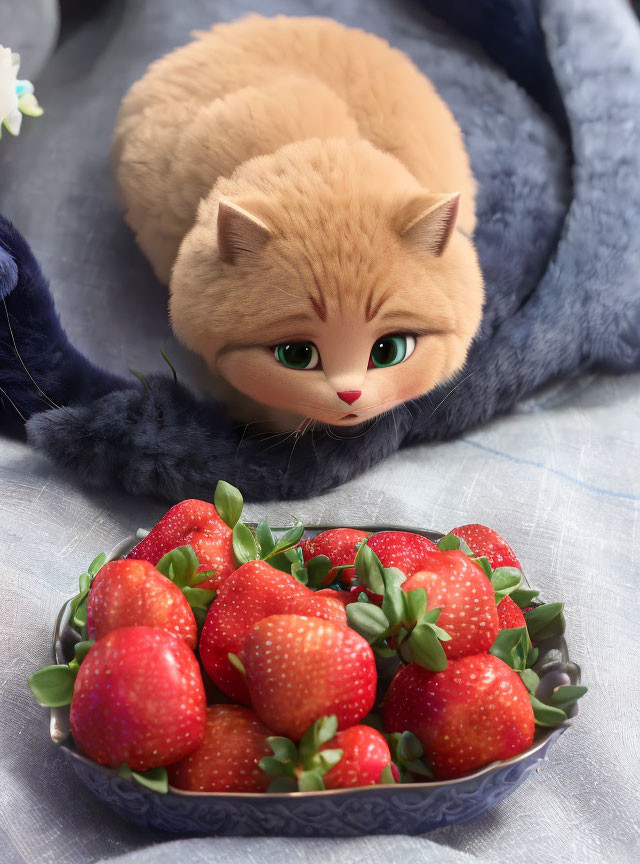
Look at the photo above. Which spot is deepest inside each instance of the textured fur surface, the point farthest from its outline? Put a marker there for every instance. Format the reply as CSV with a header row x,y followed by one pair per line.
x,y
561,269
295,180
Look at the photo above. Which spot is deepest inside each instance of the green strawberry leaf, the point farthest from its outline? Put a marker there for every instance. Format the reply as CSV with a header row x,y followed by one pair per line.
x,y
505,580
546,715
274,767
369,569
425,648
81,649
318,569
97,564
53,685
284,750
237,663
546,621
386,777
317,734
567,694
79,617
485,565
416,604
420,768
199,598
155,779
228,502
368,620
393,603
532,657
530,680
448,543
507,647
264,538
84,582
244,545
409,747
288,540
300,573
524,596
180,566
310,781
383,651
283,784
324,761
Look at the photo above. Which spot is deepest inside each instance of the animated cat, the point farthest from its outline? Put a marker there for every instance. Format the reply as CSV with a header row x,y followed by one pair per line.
x,y
308,198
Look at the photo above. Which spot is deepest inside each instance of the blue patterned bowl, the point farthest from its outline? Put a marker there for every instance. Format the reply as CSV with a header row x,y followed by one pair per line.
x,y
409,808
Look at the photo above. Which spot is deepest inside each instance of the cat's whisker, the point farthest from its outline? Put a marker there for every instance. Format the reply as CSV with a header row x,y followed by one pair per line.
x,y
22,363
18,411
441,402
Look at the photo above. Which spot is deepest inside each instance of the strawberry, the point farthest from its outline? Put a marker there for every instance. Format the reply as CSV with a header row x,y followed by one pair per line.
x,y
340,547
401,549
300,669
129,593
509,614
139,699
456,585
365,755
488,543
227,759
197,524
476,711
254,591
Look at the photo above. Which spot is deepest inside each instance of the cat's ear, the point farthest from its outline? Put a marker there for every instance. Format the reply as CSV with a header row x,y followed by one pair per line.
x,y
239,232
428,221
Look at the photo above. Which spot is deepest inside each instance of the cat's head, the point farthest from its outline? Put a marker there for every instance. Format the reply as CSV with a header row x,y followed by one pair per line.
x,y
323,281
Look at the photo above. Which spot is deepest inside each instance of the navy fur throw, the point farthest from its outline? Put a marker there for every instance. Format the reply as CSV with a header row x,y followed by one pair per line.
x,y
557,238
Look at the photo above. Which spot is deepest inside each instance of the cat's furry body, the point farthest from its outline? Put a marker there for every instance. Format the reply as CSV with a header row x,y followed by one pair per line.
x,y
337,166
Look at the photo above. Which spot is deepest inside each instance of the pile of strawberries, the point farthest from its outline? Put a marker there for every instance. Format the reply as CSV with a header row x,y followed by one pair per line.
x,y
219,658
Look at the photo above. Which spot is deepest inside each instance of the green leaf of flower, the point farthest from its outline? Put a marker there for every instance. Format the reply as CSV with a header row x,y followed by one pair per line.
x,y
53,685
244,545
155,779
228,502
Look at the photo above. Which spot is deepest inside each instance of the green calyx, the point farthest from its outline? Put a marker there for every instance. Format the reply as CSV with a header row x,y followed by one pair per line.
x,y
78,605
545,621
513,646
408,754
302,767
402,623
228,502
53,685
261,545
155,779
181,567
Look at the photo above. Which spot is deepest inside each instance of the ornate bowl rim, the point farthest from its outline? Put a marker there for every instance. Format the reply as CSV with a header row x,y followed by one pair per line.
x,y
60,731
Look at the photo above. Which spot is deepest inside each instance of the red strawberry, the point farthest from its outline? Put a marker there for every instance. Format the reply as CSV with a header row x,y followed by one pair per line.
x,y
255,591
139,699
227,759
475,712
488,543
510,614
300,669
197,524
365,755
344,597
339,545
461,589
129,593
401,549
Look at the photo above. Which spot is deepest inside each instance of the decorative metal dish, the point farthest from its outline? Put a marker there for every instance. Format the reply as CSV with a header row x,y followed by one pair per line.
x,y
407,808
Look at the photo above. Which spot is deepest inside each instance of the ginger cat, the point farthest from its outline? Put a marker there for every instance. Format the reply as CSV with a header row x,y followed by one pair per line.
x,y
308,198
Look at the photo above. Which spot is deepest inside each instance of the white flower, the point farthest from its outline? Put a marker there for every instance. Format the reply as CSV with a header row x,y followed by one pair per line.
x,y
16,97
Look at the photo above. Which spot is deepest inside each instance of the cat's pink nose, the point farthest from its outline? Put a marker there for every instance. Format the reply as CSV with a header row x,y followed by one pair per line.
x,y
350,396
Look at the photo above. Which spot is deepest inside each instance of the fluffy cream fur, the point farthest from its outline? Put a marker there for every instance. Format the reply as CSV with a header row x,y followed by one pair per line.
x,y
297,181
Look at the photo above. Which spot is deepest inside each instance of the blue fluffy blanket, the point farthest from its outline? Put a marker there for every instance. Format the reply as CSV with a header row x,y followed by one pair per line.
x,y
551,121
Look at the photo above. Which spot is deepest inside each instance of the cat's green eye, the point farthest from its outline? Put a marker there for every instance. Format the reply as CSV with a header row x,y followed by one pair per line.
x,y
391,350
297,355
